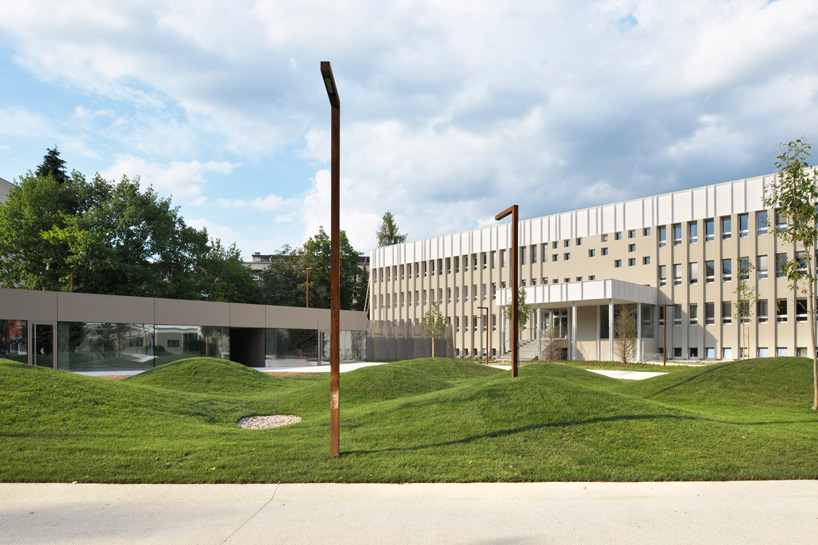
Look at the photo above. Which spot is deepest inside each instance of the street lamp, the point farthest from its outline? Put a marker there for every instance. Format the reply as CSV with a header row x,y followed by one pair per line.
x,y
335,259
487,332
513,209
308,269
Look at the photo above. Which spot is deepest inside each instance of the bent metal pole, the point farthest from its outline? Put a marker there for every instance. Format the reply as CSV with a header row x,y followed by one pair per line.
x,y
335,261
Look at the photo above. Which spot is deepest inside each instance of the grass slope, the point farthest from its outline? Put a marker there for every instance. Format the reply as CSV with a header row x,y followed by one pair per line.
x,y
413,421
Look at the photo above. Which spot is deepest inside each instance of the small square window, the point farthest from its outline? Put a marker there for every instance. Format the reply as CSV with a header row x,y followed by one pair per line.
x,y
632,233
566,243
646,231
567,256
618,263
618,236
591,253
646,260
631,262
604,251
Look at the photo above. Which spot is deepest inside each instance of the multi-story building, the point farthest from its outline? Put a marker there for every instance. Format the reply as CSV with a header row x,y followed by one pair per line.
x,y
679,254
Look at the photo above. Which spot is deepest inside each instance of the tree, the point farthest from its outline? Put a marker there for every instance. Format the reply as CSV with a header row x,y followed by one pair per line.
x,y
388,231
283,282
317,254
116,238
522,312
625,334
53,165
434,324
794,195
746,298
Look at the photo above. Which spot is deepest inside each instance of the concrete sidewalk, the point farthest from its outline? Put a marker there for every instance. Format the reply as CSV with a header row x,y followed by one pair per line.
x,y
764,512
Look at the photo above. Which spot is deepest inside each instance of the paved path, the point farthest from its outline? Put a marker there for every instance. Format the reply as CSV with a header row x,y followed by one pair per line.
x,y
767,512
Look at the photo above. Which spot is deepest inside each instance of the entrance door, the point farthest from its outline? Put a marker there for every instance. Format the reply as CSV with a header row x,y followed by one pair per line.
x,y
43,342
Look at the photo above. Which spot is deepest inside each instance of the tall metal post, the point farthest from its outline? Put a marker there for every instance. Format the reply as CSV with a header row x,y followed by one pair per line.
x,y
335,261
513,209
308,269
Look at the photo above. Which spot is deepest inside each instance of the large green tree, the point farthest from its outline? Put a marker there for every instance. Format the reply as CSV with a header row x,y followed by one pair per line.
x,y
114,238
283,282
388,233
794,195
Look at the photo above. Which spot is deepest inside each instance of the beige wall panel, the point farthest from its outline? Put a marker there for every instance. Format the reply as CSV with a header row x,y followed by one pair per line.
x,y
353,321
178,312
88,307
292,317
242,315
28,305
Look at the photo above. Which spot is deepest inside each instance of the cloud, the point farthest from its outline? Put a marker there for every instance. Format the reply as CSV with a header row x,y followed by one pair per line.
x,y
181,179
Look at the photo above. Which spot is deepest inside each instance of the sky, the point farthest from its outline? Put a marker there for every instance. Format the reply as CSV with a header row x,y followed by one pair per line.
x,y
450,110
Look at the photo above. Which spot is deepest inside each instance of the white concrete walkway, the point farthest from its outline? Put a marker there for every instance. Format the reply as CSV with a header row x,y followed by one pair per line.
x,y
724,513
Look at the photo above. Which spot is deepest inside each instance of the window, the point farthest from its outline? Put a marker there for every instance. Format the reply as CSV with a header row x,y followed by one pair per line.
x,y
662,236
781,352
618,263
709,271
693,313
780,221
591,253
677,352
542,252
646,231
726,312
677,234
456,294
567,256
744,268
646,260
591,277
457,263
761,225
423,268
465,293
631,247
761,267
709,352
693,353
781,310
763,352
566,243
604,238
483,293
555,245
474,260
709,313
727,353
484,258
661,315
604,251
726,227
709,229
432,268
632,233
780,261
533,255
726,270
677,274
579,242
449,263
800,310
693,273
631,262
692,232
761,311
555,257
677,315
801,352
618,236
743,225
801,260
522,255
662,275
579,279
502,258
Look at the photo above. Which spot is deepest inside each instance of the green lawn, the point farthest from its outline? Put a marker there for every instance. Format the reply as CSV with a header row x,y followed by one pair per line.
x,y
413,421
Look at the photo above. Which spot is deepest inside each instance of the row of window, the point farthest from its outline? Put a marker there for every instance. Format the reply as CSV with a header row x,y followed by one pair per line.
x,y
726,228
727,352
743,312
761,269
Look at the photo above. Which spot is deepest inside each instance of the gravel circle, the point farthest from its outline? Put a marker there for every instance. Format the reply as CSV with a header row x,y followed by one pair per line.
x,y
269,421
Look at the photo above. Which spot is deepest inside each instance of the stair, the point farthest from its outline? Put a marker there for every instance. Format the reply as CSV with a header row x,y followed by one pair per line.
x,y
527,352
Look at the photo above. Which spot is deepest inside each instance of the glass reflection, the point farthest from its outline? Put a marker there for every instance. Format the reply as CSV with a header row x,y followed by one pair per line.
x,y
13,340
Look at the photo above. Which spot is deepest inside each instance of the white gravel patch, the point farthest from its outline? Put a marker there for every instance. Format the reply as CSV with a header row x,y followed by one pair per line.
x,y
268,421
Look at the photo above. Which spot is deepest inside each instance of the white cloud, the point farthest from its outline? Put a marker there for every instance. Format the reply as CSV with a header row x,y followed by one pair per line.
x,y
180,179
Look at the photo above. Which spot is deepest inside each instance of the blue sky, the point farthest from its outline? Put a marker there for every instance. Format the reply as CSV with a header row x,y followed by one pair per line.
x,y
450,111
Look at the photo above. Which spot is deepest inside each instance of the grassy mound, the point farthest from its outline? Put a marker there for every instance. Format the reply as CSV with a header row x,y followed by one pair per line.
x,y
211,375
765,383
389,381
448,369
400,423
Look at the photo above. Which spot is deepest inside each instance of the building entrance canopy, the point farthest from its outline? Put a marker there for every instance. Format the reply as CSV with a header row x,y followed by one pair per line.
x,y
585,293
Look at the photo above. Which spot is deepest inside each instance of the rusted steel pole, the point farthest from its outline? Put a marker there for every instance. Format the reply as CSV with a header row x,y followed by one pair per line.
x,y
513,210
308,269
335,261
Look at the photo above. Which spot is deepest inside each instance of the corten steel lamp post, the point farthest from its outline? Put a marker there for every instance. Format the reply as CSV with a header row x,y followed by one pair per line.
x,y
335,260
514,355
487,332
308,269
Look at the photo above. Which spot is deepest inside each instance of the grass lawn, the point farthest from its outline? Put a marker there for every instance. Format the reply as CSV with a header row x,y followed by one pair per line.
x,y
422,420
